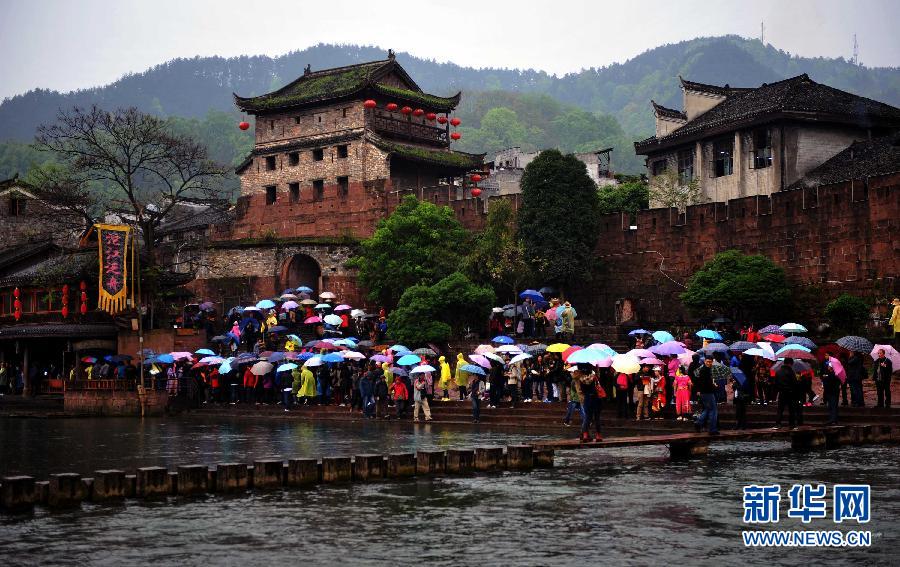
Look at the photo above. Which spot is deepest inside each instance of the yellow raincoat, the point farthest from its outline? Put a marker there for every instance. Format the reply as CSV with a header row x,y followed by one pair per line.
x,y
308,387
462,377
445,374
388,375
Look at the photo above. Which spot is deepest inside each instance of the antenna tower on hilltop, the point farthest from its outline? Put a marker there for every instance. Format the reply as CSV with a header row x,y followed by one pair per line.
x,y
762,32
855,51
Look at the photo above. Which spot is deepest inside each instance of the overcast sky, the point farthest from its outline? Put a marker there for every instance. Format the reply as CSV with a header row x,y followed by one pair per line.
x,y
66,45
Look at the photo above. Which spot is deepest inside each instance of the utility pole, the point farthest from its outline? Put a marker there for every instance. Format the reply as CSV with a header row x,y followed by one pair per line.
x,y
855,51
762,32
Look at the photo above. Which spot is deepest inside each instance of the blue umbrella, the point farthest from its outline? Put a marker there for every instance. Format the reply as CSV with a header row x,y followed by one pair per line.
x,y
399,348
225,367
739,375
246,356
284,367
322,306
408,360
168,358
332,357
855,343
473,369
709,334
295,339
741,346
278,329
786,349
793,328
639,332
531,294
304,289
276,357
502,340
715,347
305,355
586,356
205,351
397,371
663,336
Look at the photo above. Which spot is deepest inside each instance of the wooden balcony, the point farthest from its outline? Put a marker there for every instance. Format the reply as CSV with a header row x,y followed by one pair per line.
x,y
407,127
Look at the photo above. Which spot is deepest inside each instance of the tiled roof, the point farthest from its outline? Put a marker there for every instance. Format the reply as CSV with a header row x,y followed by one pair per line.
x,y
726,90
55,270
318,86
13,254
435,156
206,217
798,97
880,156
664,112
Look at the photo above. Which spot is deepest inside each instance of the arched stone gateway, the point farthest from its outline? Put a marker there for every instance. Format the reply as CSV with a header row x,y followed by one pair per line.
x,y
303,269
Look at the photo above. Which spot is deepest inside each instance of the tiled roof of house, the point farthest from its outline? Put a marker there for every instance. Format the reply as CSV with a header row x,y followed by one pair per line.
x,y
798,97
319,86
205,217
436,156
880,156
664,112
73,330
726,90
57,269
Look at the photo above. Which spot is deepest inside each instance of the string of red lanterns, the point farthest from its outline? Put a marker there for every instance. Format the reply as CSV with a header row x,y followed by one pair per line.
x,y
17,305
83,307
65,301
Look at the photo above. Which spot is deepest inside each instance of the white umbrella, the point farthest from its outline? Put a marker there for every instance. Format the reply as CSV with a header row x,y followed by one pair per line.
x,y
261,368
890,353
314,361
497,310
509,348
626,364
768,355
493,356
357,313
333,320
422,368
519,358
353,355
327,295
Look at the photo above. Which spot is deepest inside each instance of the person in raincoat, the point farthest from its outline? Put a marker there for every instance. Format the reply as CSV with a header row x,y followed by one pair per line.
x,y
462,377
568,321
445,378
307,391
296,382
895,317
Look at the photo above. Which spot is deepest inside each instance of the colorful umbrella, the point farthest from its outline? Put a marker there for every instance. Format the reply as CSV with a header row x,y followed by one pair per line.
x,y
668,348
480,360
397,371
261,368
408,360
333,320
709,334
332,357
653,361
288,305
327,295
422,368
602,348
502,340
89,359
625,364
569,352
472,369
380,358
205,351
855,344
308,302
167,358
584,356
509,349
285,367
181,355
838,368
787,348
323,306
343,307
252,308
353,355
793,328
774,338
557,347
760,352
494,357
311,320
278,329
532,294
313,361
770,329
797,355
519,358
276,357
481,349
399,348
663,336
212,360
640,353
304,289
266,304
715,347
639,332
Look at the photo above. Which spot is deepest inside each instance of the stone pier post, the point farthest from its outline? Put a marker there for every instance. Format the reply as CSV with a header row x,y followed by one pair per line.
x,y
17,494
66,490
192,479
336,469
109,485
430,462
152,481
520,457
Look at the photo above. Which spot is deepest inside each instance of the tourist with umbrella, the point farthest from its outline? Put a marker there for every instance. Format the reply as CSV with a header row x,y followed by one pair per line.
x,y
590,394
400,393
706,387
786,383
476,387
881,373
831,389
420,398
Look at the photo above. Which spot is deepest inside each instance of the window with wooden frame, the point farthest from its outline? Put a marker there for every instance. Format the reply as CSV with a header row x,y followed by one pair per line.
x,y
17,206
686,166
762,148
658,167
723,157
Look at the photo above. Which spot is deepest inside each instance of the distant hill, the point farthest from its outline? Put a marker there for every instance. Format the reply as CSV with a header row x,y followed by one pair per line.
x,y
191,88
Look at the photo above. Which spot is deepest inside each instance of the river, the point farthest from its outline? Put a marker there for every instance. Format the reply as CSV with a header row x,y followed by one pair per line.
x,y
629,506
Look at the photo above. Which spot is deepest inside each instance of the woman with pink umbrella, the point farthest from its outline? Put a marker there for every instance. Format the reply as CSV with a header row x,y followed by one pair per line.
x,y
832,375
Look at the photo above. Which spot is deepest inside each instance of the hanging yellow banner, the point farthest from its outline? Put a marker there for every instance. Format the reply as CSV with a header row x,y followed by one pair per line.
x,y
113,243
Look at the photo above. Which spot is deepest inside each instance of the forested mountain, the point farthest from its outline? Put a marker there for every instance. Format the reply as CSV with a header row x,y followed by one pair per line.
x,y
615,98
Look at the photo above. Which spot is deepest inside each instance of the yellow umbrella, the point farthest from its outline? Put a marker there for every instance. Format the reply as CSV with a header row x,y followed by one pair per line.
x,y
557,347
626,364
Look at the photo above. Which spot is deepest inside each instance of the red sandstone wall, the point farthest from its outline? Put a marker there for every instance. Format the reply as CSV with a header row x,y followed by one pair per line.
x,y
848,240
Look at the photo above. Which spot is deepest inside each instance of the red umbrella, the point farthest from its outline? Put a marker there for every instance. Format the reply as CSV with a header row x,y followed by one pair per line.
x,y
310,320
773,338
832,349
568,352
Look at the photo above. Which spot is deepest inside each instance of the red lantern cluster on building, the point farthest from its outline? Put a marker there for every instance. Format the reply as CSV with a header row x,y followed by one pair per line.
x,y
455,122
476,192
17,305
476,178
406,110
431,116
83,308
244,125
65,301
418,112
442,119
391,106
370,104
456,135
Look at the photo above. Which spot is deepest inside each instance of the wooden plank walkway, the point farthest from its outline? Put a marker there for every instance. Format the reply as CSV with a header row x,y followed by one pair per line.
x,y
811,435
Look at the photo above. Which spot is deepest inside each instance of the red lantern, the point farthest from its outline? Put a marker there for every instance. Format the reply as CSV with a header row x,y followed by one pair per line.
x,y
65,311
83,308
456,135
476,178
391,106
370,104
431,116
476,192
418,112
82,286
442,119
455,122
406,110
65,293
244,125
16,293
17,305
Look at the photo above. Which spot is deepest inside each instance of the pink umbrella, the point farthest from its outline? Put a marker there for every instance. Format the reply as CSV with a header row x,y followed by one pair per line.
x,y
686,357
313,320
480,360
653,361
605,363
289,305
890,353
838,368
181,355
483,349
640,353
342,307
550,314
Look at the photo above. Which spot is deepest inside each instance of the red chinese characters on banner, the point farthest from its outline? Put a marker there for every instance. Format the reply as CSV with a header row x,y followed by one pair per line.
x,y
113,241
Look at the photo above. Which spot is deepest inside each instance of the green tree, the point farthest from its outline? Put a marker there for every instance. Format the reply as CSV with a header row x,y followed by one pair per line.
x,y
668,190
437,312
628,197
558,218
497,256
739,285
418,244
847,313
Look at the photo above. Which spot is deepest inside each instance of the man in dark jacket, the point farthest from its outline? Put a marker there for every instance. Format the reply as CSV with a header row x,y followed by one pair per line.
x,y
381,397
706,387
497,383
855,374
786,385
831,391
367,390
881,374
